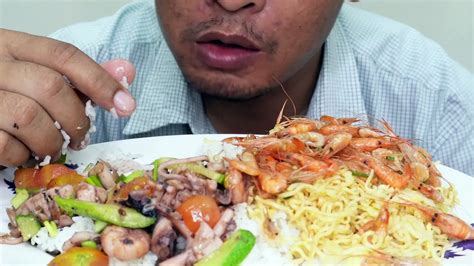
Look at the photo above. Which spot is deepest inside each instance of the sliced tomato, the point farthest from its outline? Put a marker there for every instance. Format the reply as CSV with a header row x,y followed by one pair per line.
x,y
79,256
25,178
71,178
139,183
197,209
34,179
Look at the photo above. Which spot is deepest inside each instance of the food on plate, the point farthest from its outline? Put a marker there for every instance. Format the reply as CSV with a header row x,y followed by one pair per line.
x,y
333,190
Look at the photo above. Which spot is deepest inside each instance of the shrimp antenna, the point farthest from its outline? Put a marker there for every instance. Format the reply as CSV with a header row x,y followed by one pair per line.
x,y
286,93
280,115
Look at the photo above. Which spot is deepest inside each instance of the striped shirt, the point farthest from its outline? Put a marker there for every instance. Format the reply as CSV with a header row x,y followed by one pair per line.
x,y
373,68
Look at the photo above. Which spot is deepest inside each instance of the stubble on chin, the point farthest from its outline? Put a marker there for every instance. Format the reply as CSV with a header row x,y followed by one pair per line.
x,y
222,88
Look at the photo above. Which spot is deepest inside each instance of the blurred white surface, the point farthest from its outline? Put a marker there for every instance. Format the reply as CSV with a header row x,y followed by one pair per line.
x,y
449,22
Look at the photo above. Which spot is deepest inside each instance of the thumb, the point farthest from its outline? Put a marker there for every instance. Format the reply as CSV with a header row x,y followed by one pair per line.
x,y
120,68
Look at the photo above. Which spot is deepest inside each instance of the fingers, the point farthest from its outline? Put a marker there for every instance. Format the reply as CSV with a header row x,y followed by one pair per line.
x,y
49,89
120,68
24,119
90,78
12,151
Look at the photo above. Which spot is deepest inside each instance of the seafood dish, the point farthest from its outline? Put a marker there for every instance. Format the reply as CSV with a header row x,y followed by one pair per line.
x,y
327,191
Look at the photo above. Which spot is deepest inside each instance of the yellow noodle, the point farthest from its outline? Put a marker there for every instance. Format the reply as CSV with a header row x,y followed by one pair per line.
x,y
329,213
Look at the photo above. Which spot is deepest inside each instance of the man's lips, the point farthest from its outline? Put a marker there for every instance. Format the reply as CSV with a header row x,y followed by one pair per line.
x,y
233,39
226,52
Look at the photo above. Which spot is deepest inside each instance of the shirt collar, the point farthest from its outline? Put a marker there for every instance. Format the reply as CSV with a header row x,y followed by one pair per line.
x,y
338,91
165,98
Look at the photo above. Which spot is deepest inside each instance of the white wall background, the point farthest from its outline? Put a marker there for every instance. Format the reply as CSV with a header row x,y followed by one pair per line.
x,y
449,22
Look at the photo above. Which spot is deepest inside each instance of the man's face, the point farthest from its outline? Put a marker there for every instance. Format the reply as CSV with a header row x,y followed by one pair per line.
x,y
237,49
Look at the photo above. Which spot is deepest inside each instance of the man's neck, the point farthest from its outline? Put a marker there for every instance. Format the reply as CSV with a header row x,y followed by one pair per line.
x,y
258,115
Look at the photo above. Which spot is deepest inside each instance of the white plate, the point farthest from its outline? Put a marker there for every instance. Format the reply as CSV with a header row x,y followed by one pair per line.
x,y
147,149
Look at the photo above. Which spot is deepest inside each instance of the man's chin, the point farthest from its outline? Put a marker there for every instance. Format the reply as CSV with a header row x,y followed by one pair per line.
x,y
227,90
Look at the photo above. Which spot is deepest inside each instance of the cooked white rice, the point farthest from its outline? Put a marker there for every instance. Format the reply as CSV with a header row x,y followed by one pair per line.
x,y
67,140
47,243
263,253
125,83
45,161
216,150
123,162
91,114
113,112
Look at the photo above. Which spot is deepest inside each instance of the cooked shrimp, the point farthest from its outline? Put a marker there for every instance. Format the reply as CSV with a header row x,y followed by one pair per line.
x,y
331,120
420,171
272,145
333,129
425,189
125,244
234,182
338,121
305,176
387,175
379,224
285,145
434,179
272,182
429,191
267,162
414,154
306,162
390,158
335,144
370,143
247,164
367,132
449,224
312,139
298,126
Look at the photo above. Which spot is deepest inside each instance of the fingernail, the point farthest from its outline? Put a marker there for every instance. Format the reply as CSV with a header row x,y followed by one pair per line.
x,y
124,102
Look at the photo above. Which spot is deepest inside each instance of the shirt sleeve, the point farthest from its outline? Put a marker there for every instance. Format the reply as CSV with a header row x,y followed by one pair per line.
x,y
454,142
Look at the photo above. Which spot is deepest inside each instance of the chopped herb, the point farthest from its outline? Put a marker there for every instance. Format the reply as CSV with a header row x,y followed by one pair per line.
x,y
390,158
52,228
94,180
355,173
156,165
129,178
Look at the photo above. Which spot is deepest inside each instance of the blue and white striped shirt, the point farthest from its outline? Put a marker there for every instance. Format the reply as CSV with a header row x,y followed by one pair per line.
x,y
373,68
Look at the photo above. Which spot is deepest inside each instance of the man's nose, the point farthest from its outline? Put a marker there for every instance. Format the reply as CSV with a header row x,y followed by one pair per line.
x,y
236,5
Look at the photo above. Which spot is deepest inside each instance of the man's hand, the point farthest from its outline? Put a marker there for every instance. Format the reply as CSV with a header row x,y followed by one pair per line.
x,y
34,94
